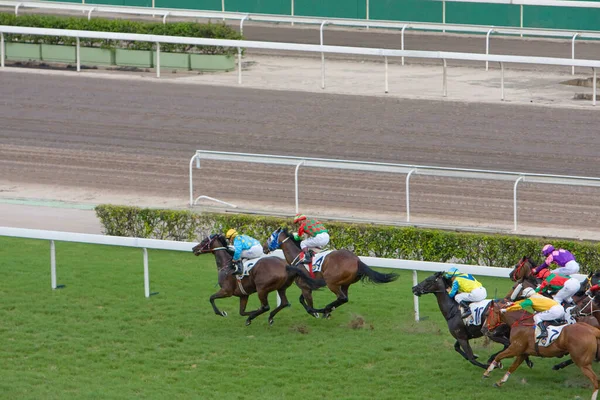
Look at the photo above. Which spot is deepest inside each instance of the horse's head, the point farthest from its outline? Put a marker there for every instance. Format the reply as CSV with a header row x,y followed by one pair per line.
x,y
210,243
436,283
522,270
494,318
274,241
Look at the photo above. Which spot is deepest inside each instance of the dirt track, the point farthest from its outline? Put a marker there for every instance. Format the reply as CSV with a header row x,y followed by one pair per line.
x,y
138,137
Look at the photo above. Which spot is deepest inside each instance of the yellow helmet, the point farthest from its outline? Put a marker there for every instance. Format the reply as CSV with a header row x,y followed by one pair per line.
x,y
231,234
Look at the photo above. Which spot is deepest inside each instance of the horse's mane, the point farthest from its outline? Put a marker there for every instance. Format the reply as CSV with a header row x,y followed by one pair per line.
x,y
291,236
221,238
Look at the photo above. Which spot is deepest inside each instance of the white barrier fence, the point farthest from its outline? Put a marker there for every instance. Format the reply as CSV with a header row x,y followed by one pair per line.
x,y
385,53
408,170
323,22
145,244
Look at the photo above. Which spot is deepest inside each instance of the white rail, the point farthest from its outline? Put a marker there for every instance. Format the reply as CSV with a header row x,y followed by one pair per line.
x,y
385,53
322,22
407,169
145,244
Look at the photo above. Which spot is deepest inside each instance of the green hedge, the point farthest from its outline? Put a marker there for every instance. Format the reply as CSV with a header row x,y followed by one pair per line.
x,y
364,239
186,29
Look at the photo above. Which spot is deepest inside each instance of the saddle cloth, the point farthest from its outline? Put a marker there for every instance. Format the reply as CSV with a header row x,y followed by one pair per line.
x,y
248,265
317,261
477,309
553,334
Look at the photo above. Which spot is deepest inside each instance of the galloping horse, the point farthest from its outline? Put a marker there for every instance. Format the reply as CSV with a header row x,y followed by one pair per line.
x,y
580,340
339,269
267,275
437,284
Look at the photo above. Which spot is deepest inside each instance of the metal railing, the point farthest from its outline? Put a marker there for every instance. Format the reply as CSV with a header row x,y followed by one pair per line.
x,y
408,170
487,30
364,51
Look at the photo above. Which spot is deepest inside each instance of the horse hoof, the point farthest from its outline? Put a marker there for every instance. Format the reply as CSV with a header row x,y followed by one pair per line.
x,y
327,315
316,315
497,384
499,365
223,313
271,320
248,321
485,376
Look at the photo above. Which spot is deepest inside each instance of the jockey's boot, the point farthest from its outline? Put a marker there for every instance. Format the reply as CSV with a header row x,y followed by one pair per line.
x,y
239,267
544,331
466,309
305,256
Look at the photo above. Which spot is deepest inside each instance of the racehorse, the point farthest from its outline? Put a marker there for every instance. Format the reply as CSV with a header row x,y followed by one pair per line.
x,y
523,275
267,275
579,340
339,269
437,284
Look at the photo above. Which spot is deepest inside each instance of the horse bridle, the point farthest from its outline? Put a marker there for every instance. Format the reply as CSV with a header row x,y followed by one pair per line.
x,y
212,239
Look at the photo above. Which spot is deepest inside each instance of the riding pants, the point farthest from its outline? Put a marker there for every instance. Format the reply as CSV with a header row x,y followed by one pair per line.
x,y
477,294
569,289
253,252
555,312
319,240
572,267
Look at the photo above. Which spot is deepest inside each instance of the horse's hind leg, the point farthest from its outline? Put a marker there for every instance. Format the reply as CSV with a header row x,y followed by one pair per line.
x,y
306,300
284,303
243,304
342,298
589,372
513,367
467,353
264,306
562,365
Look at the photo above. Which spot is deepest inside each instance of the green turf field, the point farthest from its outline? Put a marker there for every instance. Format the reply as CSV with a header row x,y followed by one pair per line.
x,y
100,338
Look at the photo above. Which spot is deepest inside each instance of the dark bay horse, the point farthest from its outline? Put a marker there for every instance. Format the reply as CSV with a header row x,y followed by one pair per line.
x,y
268,274
579,340
437,284
340,269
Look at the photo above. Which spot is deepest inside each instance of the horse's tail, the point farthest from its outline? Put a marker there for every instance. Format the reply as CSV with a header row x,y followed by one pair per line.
x,y
312,283
366,273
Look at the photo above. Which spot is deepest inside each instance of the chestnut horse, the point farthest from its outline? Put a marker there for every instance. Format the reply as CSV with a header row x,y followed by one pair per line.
x,y
340,269
437,284
579,340
268,274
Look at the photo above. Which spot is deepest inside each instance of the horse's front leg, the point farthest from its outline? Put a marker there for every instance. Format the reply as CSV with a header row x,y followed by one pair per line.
x,y
264,306
243,304
511,351
306,300
518,361
223,293
467,352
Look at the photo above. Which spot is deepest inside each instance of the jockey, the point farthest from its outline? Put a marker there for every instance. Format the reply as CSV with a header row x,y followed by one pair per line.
x,y
317,235
561,257
546,309
465,289
562,288
245,247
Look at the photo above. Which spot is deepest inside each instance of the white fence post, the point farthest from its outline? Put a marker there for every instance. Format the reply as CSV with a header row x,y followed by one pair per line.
x,y
296,183
408,194
515,208
487,46
52,265
157,60
292,11
240,51
386,74
322,55
444,15
573,52
146,274
521,20
402,41
416,298
502,81
78,55
90,13
2,50
445,81
367,12
595,89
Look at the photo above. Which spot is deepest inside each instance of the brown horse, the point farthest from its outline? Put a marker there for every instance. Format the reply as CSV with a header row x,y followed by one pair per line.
x,y
268,274
340,269
580,340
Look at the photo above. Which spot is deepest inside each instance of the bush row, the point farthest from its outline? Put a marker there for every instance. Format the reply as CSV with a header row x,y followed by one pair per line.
x,y
363,239
187,29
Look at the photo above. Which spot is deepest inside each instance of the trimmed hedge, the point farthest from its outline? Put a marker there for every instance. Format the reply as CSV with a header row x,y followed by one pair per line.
x,y
363,239
186,29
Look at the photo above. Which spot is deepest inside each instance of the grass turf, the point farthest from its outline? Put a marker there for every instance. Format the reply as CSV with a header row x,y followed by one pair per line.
x,y
100,338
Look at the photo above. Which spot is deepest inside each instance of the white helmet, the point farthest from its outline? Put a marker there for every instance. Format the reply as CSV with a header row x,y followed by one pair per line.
x,y
528,292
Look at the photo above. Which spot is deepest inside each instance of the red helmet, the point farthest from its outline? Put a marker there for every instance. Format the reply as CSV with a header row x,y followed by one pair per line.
x,y
299,217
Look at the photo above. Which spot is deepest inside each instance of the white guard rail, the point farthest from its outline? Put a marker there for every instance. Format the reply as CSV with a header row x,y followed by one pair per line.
x,y
323,22
145,244
385,53
407,169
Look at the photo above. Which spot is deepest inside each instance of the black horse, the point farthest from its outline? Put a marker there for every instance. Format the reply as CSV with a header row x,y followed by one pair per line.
x,y
438,284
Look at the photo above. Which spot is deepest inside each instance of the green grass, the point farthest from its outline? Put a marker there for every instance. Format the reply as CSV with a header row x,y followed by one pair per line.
x,y
100,338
